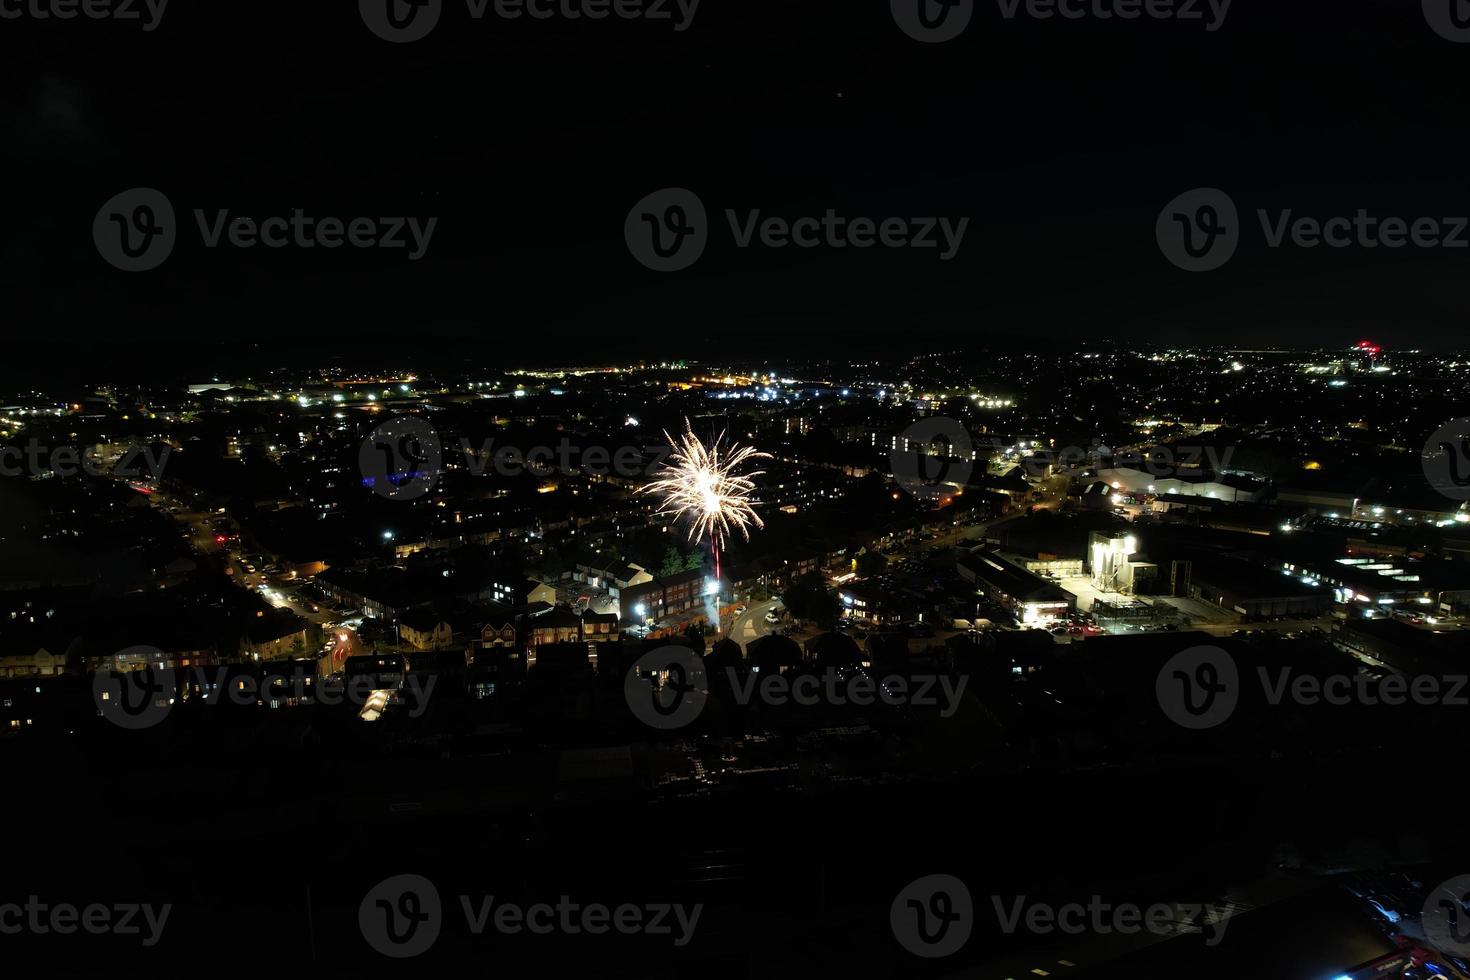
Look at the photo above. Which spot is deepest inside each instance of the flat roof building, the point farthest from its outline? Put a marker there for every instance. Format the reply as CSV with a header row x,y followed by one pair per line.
x,y
1030,597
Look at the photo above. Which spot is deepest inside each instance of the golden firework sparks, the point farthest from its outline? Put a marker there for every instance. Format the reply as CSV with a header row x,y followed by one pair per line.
x,y
704,483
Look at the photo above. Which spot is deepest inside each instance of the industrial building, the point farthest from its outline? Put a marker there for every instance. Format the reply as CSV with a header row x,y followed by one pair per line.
x,y
1032,599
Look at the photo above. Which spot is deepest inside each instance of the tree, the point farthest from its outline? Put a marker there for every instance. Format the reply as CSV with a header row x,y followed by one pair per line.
x,y
807,597
673,562
796,598
824,609
550,564
871,563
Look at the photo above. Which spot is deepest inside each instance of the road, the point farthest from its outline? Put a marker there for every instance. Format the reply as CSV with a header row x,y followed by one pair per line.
x,y
204,540
752,625
1290,626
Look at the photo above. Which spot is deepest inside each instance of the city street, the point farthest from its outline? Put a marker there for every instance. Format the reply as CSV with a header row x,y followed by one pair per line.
x,y
205,540
752,625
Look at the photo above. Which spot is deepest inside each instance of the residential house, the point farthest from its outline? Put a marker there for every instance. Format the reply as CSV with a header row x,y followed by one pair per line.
x,y
611,574
662,597
277,635
425,630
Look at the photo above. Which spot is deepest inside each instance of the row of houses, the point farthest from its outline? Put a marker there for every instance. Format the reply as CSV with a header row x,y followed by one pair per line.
x,y
392,593
493,627
273,640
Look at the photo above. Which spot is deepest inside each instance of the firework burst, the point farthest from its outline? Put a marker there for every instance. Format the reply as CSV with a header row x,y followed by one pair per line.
x,y
704,483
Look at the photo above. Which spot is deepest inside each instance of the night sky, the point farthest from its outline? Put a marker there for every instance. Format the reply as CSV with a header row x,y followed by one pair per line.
x,y
530,141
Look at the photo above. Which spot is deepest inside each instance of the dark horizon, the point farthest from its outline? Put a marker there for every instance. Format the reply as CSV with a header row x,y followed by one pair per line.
x,y
1059,140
